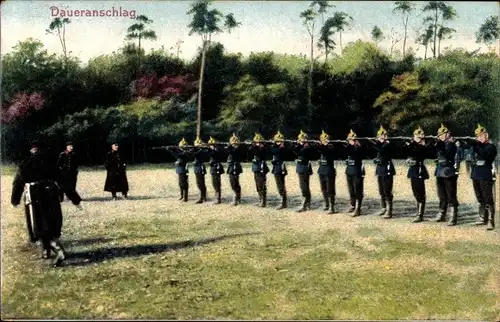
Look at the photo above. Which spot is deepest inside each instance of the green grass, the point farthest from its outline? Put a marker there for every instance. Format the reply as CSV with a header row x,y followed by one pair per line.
x,y
161,259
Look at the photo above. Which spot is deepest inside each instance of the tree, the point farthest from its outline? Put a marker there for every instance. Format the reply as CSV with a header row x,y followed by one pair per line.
x,y
425,38
489,31
309,22
138,31
341,21
444,33
58,27
325,41
404,8
322,8
395,38
177,47
438,10
377,35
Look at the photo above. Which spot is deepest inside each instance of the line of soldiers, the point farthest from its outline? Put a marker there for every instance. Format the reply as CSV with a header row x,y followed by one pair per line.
x,y
443,147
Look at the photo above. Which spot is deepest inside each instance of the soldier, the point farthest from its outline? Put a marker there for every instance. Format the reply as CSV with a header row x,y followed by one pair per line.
x,y
417,172
446,175
37,177
303,168
355,173
234,168
116,178
482,176
326,172
260,168
216,168
385,172
182,155
279,169
200,156
68,170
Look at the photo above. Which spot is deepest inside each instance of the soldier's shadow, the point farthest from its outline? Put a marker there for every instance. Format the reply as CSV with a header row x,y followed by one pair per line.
x,y
108,253
119,197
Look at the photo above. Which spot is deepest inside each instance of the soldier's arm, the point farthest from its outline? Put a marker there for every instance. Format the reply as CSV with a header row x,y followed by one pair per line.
x,y
488,152
60,160
17,188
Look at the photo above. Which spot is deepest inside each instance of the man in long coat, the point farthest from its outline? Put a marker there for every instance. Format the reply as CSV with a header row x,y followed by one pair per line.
x,y
116,178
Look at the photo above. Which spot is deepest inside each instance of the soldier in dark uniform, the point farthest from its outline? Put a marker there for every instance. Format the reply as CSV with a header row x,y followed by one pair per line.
x,y
116,178
37,177
326,172
417,171
260,168
446,175
482,176
385,172
234,168
303,168
200,156
355,173
182,155
68,170
216,168
279,169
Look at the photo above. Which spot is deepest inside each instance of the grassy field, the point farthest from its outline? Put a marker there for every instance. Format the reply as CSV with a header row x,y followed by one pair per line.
x,y
154,257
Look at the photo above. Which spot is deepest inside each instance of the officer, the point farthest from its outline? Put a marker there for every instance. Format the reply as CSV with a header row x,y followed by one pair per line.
x,y
355,173
446,175
216,168
182,154
200,156
482,176
418,151
37,177
260,168
326,172
385,172
303,168
68,169
234,168
116,177
278,150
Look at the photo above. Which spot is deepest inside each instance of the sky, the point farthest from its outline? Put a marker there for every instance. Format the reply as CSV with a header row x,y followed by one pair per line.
x,y
265,25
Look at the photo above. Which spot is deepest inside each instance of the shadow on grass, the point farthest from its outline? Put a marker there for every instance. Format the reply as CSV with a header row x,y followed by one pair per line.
x,y
109,253
119,198
87,241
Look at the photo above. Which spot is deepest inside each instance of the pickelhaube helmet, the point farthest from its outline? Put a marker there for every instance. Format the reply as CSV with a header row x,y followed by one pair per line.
x,y
234,139
258,138
279,137
302,136
198,141
182,143
211,141
479,130
442,130
351,135
324,137
419,132
381,131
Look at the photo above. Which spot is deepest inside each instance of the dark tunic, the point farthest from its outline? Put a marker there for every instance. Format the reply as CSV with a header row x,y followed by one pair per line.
x,y
278,162
326,160
417,154
68,163
303,161
116,179
41,173
484,157
216,158
446,153
182,157
200,157
354,160
259,164
385,167
234,160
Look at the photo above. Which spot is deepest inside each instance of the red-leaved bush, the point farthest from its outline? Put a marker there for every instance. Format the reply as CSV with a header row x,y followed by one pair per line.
x,y
21,106
163,88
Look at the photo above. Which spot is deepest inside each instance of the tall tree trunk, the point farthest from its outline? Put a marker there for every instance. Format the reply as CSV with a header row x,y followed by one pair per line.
x,y
435,33
200,88
310,84
439,47
406,35
340,42
425,54
139,53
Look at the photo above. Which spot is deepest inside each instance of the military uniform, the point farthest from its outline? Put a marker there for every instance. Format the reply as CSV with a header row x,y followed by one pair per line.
x,y
182,156
355,173
68,169
216,168
116,177
260,168
303,168
326,172
200,155
417,171
385,172
279,171
482,177
446,177
234,168
37,177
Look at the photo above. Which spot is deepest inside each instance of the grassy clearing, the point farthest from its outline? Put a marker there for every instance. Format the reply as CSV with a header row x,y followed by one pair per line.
x,y
157,258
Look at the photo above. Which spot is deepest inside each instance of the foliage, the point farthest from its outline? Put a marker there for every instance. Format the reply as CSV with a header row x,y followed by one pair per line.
x,y
489,30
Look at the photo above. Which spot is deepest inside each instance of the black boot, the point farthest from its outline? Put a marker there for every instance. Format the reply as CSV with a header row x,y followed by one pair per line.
x,y
238,197
113,195
357,209
420,212
202,197
326,202
482,220
56,246
453,216
383,206
182,195
185,195
259,204
218,199
352,207
304,205
388,213
441,216
283,204
332,206
45,253
264,199
490,213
